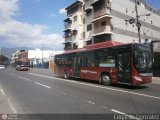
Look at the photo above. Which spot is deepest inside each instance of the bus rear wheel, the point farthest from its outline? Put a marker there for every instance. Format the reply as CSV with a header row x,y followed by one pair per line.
x,y
106,79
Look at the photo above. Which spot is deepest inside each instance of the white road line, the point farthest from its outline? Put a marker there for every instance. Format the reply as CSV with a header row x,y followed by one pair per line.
x,y
119,112
23,78
12,108
20,77
116,111
104,107
2,91
42,75
90,102
42,85
97,86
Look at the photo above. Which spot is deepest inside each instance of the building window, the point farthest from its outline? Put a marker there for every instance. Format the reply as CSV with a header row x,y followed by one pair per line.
x,y
102,38
89,27
74,32
151,22
83,20
84,34
89,42
88,12
103,23
75,18
138,3
99,5
126,10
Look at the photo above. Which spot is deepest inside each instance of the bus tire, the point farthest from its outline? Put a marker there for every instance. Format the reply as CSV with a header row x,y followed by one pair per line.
x,y
106,79
65,75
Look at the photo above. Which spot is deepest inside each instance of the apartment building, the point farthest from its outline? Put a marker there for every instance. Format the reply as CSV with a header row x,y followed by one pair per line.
x,y
74,26
106,20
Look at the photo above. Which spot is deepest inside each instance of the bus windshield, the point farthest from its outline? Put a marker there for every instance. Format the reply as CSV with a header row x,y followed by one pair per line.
x,y
25,63
142,58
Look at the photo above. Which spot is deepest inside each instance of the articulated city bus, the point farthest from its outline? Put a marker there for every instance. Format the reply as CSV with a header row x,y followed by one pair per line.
x,y
108,62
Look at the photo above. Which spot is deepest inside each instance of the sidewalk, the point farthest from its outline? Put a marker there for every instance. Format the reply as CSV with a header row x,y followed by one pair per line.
x,y
156,78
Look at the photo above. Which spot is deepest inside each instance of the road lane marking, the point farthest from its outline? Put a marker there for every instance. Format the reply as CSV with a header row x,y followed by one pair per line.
x,y
42,85
90,102
12,107
2,91
97,86
119,112
104,107
23,78
42,75
20,77
116,111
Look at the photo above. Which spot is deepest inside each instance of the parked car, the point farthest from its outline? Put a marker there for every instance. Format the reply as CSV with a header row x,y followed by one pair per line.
x,y
2,67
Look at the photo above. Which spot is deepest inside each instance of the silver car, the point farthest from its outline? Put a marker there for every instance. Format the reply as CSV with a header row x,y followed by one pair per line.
x,y
2,67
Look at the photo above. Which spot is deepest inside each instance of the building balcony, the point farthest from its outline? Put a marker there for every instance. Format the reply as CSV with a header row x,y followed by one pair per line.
x,y
67,35
101,7
102,17
102,30
101,12
67,26
68,39
73,8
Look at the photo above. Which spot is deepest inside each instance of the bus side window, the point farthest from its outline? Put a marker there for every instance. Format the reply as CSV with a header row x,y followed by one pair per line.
x,y
84,62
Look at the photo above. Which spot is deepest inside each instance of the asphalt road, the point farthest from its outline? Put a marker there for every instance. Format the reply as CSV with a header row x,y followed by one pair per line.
x,y
39,91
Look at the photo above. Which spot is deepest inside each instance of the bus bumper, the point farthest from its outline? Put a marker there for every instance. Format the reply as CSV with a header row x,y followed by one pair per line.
x,y
142,80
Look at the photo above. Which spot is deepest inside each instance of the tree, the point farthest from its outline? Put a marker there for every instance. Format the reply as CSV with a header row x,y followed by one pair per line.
x,y
3,59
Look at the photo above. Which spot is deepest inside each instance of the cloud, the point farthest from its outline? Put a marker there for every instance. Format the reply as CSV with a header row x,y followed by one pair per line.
x,y
23,34
8,8
62,11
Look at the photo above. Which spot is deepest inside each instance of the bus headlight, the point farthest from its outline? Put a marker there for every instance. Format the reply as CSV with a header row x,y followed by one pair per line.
x,y
137,78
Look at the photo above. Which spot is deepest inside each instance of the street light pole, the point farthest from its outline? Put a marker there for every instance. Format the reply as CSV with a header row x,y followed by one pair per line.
x,y
138,23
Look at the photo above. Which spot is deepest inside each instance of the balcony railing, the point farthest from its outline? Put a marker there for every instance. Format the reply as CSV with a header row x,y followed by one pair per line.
x,y
101,12
67,26
102,29
67,35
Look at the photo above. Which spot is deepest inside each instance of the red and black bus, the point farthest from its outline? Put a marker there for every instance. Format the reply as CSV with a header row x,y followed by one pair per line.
x,y
108,62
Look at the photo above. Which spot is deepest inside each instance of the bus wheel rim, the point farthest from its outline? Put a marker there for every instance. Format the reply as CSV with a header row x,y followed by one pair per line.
x,y
106,79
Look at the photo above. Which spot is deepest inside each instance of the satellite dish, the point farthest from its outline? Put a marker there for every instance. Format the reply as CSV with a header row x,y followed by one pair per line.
x,y
131,21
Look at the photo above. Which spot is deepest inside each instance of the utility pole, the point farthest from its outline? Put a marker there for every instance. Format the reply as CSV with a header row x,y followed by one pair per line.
x,y
42,55
138,23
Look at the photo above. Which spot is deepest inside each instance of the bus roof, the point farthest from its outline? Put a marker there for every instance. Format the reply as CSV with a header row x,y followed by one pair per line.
x,y
95,46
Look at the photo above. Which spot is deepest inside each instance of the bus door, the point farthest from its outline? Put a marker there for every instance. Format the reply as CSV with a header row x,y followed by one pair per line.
x,y
124,67
76,66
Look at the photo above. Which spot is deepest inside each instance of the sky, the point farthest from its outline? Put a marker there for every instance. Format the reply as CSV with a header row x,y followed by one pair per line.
x,y
35,23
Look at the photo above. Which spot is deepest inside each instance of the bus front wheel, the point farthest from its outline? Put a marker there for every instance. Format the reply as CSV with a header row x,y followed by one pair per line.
x,y
106,79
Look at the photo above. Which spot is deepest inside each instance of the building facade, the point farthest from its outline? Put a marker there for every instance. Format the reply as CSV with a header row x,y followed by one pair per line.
x,y
106,20
37,58
74,26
